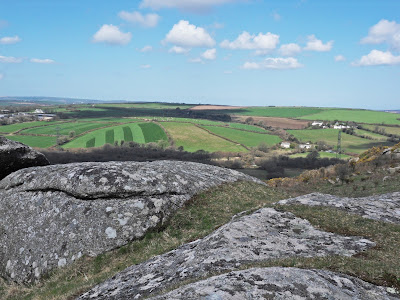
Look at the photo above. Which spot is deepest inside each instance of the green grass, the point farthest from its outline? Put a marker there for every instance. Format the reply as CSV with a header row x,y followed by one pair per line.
x,y
283,112
110,136
152,132
373,135
249,139
18,126
34,141
128,136
350,143
65,128
321,155
388,129
90,143
355,115
151,105
100,136
246,127
193,138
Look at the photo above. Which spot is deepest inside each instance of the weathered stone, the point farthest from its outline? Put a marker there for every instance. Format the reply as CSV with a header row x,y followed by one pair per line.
x,y
50,216
15,156
280,283
264,235
384,207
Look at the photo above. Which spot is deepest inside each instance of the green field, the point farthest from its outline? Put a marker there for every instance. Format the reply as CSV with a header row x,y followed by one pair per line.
x,y
350,143
18,126
373,135
65,128
151,105
322,154
193,138
126,132
152,132
283,112
34,141
355,115
249,139
388,129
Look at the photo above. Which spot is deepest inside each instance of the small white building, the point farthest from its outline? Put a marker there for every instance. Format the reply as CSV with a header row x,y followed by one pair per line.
x,y
316,123
38,111
285,145
305,146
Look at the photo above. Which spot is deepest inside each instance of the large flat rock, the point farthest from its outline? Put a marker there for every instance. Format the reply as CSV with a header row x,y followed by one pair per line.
x,y
15,156
384,207
50,216
280,283
264,235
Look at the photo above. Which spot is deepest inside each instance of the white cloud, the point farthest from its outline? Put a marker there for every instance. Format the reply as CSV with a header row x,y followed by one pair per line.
x,y
8,40
42,61
149,20
340,58
185,34
10,59
252,42
188,5
111,35
209,54
376,58
146,49
315,44
384,32
289,49
275,63
197,60
145,66
178,50
1,76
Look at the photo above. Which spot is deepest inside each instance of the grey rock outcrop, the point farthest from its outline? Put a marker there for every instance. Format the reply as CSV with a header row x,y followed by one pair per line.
x,y
264,235
15,156
50,216
384,207
280,283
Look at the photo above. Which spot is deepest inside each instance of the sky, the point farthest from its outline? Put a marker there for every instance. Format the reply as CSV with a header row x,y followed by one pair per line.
x,y
331,53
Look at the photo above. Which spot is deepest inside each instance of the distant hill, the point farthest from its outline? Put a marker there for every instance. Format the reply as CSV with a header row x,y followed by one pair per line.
x,y
4,101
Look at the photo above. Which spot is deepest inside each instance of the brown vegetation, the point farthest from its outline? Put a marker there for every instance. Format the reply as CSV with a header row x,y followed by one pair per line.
x,y
283,123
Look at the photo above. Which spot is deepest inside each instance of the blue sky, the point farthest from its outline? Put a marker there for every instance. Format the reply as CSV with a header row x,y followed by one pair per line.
x,y
239,52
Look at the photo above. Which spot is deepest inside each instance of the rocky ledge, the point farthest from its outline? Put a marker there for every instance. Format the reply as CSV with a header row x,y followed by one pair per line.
x,y
15,156
264,235
52,215
378,207
280,283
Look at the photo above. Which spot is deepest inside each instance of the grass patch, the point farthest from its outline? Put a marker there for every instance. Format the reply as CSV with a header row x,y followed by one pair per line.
x,y
34,141
388,129
350,143
110,136
18,126
355,115
128,137
152,132
90,143
283,112
249,139
193,139
65,128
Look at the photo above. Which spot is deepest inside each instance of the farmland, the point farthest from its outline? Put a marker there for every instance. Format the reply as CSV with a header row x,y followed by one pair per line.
x,y
350,143
65,128
136,132
387,129
34,141
193,138
354,115
19,126
283,112
249,139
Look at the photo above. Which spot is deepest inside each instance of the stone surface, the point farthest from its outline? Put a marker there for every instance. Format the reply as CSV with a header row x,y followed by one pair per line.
x,y
264,235
50,216
384,207
15,156
280,283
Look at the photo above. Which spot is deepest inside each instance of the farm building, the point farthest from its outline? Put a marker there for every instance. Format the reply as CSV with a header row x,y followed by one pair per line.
x,y
285,145
305,146
316,123
38,111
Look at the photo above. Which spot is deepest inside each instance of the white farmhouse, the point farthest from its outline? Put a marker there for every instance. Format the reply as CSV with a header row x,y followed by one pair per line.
x,y
316,123
285,145
305,146
38,111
